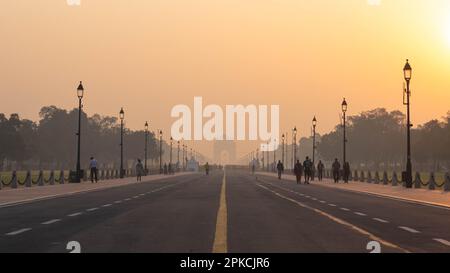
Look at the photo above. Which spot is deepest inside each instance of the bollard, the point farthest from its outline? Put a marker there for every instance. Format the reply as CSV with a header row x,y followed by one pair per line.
x,y
394,179
51,180
28,180
432,182
61,177
40,180
369,177
385,178
447,182
362,178
377,178
14,180
417,181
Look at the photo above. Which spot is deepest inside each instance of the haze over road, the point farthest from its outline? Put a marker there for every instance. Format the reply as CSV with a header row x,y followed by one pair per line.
x,y
233,212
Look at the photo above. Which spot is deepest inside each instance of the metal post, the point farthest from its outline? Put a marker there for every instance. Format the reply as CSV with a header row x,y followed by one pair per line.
x,y
79,142
408,140
121,148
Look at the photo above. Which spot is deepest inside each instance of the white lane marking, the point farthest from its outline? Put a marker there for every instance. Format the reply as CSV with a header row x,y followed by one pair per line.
x,y
380,220
307,196
315,199
360,214
337,220
75,214
51,222
321,201
18,231
345,209
127,199
107,205
142,194
92,209
332,205
409,229
442,241
118,201
134,197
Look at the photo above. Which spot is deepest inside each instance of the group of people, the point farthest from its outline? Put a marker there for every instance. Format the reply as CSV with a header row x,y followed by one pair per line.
x,y
308,170
140,170
336,169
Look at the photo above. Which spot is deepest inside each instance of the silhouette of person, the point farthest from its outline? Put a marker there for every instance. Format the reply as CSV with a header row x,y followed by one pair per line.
x,y
280,168
207,168
320,168
139,170
346,171
307,167
336,167
93,167
165,168
298,170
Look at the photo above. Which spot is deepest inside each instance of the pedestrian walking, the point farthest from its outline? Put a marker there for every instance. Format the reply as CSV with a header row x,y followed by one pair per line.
x,y
346,171
336,167
165,168
320,168
307,168
94,172
139,170
298,170
207,168
280,168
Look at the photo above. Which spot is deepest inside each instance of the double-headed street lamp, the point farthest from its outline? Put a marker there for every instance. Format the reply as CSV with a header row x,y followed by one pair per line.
x,y
80,94
407,72
344,110
160,151
121,116
145,149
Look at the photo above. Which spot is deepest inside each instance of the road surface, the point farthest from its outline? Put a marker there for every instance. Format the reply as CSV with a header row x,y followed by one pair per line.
x,y
233,212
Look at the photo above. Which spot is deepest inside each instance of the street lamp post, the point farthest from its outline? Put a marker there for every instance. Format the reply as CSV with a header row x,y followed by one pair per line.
x,y
170,159
267,153
80,94
145,148
314,123
160,152
274,156
294,140
407,71
282,148
178,156
344,110
121,116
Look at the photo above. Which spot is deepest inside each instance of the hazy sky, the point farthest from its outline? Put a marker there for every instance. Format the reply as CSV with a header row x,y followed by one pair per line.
x,y
149,55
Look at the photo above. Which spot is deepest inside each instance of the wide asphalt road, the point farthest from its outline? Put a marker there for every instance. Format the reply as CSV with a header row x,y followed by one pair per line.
x,y
224,212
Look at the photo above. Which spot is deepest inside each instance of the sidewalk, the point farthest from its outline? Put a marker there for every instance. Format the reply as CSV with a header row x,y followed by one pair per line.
x,y
422,196
10,196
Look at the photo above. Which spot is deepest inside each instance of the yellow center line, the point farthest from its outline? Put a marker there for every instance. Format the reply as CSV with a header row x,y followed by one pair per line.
x,y
220,237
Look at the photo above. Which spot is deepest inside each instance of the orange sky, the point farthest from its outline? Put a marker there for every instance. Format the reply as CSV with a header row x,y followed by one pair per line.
x,y
149,55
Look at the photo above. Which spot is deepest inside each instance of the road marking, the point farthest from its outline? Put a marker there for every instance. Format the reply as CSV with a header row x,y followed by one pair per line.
x,y
409,229
18,232
360,214
220,237
92,209
337,220
321,201
380,220
51,222
315,199
107,205
75,214
118,201
142,194
332,205
442,241
345,209
127,199
135,197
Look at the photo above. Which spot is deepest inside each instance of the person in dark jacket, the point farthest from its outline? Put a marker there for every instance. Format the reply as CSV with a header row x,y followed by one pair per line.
x,y
298,170
139,170
336,167
280,168
307,168
346,172
320,168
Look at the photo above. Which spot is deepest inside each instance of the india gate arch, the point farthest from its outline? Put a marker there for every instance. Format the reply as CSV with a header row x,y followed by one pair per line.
x,y
224,151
